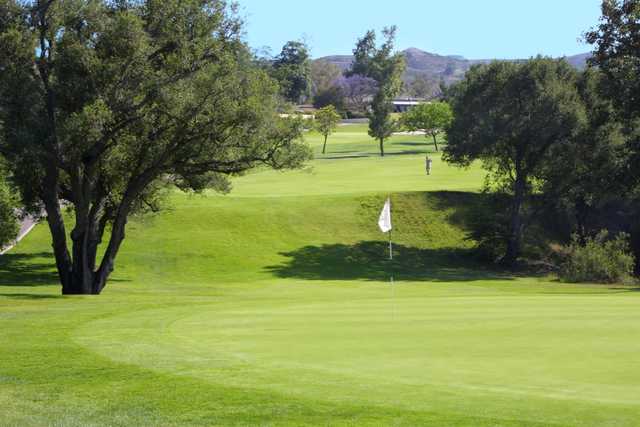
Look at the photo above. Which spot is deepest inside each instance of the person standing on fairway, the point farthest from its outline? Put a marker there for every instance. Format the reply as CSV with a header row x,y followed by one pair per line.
x,y
429,164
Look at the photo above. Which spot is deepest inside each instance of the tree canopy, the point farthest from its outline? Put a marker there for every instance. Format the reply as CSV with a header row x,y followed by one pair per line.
x,y
421,87
8,206
324,76
292,69
104,104
617,56
326,121
585,177
509,116
358,91
431,118
385,67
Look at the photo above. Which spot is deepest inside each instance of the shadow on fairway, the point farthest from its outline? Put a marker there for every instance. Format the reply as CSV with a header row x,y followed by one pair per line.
x,y
337,156
424,144
369,261
31,270
33,297
625,289
28,270
342,155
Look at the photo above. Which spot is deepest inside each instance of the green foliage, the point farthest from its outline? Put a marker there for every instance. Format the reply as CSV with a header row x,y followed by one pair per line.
x,y
617,59
292,69
616,41
585,177
599,259
332,96
8,205
432,118
506,108
126,99
326,122
421,87
385,67
324,76
510,116
381,122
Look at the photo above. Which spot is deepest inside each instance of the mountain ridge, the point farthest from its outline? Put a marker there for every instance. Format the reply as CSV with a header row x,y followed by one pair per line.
x,y
435,67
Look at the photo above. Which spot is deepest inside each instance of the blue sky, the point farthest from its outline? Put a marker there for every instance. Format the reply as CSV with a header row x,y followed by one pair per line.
x,y
476,29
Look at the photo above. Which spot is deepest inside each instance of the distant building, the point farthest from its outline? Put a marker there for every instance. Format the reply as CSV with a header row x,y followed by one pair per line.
x,y
405,104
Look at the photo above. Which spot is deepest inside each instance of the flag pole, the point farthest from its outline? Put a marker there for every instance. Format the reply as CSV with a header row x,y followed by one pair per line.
x,y
393,288
384,222
390,231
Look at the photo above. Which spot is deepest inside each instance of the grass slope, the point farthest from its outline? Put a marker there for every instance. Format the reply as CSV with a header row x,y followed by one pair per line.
x,y
272,306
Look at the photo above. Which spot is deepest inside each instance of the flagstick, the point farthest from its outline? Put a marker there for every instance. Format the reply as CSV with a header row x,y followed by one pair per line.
x,y
385,226
393,288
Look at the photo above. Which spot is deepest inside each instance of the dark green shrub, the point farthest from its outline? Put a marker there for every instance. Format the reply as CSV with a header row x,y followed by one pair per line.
x,y
599,260
8,204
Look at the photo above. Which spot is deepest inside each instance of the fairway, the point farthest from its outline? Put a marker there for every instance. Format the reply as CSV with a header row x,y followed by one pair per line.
x,y
272,306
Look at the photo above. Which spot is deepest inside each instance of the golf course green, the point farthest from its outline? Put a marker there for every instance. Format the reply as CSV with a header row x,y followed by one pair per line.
x,y
273,306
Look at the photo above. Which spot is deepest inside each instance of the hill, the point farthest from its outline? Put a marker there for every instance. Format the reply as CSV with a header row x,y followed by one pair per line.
x,y
435,67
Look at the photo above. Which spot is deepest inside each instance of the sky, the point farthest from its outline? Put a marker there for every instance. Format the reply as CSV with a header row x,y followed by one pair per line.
x,y
475,29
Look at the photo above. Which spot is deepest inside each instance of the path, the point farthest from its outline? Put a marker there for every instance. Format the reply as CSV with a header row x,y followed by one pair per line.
x,y
26,226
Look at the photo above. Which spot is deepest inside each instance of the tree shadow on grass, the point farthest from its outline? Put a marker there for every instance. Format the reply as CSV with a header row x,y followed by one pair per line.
x,y
31,296
425,144
625,289
28,270
369,261
404,152
464,206
336,155
32,270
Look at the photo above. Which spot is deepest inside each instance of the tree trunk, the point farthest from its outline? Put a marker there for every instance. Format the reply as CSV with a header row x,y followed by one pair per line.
x,y
381,147
514,242
324,147
59,242
85,248
77,271
55,220
108,261
85,241
435,141
582,213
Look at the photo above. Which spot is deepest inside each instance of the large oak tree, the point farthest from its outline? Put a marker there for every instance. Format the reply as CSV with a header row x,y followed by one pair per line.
x,y
509,116
105,103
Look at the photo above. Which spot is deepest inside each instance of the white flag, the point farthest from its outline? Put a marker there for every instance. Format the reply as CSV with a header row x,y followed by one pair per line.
x,y
385,217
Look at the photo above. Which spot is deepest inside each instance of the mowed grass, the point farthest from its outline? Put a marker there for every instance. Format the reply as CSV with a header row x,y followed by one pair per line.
x,y
272,306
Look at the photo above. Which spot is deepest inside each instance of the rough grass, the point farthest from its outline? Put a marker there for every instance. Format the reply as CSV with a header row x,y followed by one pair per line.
x,y
272,306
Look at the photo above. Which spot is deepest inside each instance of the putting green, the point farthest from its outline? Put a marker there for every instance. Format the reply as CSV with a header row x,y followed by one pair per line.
x,y
272,306
511,355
